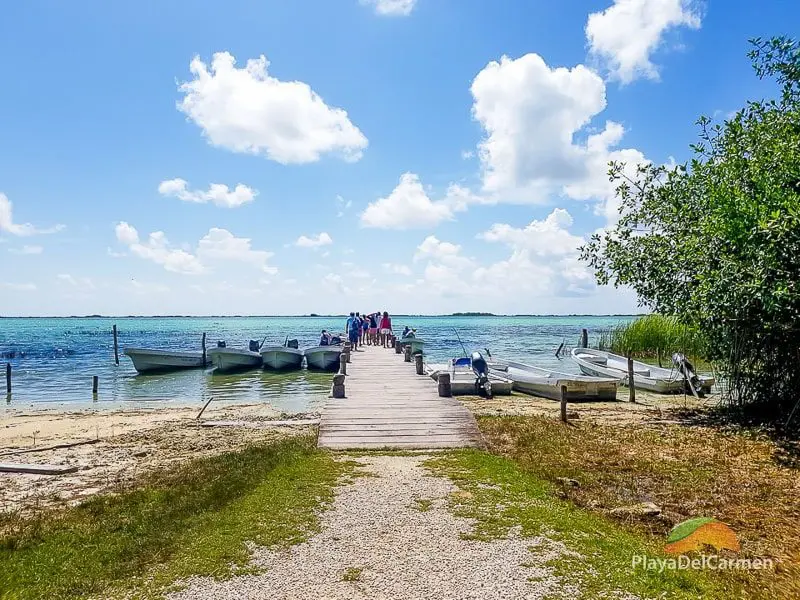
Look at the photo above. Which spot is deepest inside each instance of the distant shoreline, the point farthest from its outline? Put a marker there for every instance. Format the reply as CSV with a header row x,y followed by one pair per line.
x,y
318,316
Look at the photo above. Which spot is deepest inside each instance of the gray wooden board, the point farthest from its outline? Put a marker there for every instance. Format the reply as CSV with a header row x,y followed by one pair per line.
x,y
35,469
388,406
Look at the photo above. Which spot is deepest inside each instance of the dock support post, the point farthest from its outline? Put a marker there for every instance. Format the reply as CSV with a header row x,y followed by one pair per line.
x,y
563,404
337,390
116,345
204,350
445,389
398,347
631,383
584,338
95,384
343,363
408,353
8,378
418,364
347,349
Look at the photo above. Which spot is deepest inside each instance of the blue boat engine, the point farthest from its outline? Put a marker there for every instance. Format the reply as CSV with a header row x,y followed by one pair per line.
x,y
483,387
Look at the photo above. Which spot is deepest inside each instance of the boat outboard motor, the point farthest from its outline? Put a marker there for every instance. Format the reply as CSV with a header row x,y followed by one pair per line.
x,y
687,370
221,344
481,369
254,346
293,344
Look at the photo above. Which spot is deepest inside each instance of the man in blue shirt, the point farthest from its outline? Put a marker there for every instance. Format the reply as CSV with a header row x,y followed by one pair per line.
x,y
352,326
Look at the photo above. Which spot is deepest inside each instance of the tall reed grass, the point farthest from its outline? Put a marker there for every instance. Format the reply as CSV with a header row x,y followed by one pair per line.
x,y
653,336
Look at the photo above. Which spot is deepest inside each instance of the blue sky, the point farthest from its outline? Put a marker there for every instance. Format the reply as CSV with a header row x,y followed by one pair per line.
x,y
384,154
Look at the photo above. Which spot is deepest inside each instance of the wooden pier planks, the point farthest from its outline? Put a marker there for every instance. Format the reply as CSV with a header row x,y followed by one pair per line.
x,y
388,405
35,469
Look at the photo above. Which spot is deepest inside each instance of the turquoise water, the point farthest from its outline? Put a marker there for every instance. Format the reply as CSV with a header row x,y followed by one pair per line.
x,y
53,359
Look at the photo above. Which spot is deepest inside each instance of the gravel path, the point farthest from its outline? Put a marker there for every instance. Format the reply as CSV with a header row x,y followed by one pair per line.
x,y
376,542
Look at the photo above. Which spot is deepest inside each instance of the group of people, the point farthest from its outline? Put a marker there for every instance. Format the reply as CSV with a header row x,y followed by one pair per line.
x,y
371,329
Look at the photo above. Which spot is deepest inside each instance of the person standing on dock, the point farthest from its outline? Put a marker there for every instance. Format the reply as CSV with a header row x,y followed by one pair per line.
x,y
364,329
352,330
373,329
386,327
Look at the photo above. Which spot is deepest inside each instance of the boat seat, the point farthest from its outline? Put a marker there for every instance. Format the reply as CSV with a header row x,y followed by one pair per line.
x,y
642,372
595,360
462,362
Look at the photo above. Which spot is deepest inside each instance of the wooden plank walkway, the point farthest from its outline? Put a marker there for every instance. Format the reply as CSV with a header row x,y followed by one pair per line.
x,y
389,406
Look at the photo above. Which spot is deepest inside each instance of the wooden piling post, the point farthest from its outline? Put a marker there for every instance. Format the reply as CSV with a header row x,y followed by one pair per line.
x,y
337,389
631,383
418,364
204,350
398,347
408,353
584,338
8,378
116,345
343,363
445,389
95,384
564,403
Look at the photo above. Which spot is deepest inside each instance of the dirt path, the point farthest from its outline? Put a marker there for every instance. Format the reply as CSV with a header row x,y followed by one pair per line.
x,y
390,535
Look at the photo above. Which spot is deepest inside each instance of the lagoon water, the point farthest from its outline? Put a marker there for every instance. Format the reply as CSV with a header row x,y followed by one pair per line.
x,y
53,359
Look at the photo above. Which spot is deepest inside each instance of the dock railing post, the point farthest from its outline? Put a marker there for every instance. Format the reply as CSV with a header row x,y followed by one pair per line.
x,y
337,390
398,347
631,383
445,389
116,345
204,350
347,348
418,364
343,363
408,353
563,404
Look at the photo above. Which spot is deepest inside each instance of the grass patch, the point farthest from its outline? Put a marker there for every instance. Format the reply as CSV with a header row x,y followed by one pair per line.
x,y
194,519
687,471
423,504
652,336
501,497
352,574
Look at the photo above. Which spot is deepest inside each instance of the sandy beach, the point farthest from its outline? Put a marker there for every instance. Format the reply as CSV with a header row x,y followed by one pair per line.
x,y
116,447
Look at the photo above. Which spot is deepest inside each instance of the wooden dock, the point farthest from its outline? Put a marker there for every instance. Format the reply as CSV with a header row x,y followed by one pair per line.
x,y
388,405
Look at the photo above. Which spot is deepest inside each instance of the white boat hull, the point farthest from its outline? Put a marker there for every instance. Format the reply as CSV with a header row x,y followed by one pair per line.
x,y
416,344
146,360
324,358
548,384
280,358
233,359
645,377
462,381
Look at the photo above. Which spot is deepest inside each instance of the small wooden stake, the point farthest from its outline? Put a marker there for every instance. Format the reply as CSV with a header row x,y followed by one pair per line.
x,y
343,363
8,378
418,364
631,383
205,406
116,345
563,404
204,350
584,338
95,384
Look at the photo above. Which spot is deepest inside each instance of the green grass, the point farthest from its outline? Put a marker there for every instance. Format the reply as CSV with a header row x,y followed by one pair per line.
x,y
652,336
501,496
191,520
352,574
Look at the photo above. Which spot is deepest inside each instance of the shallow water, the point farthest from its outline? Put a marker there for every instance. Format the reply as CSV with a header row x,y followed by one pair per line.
x,y
53,359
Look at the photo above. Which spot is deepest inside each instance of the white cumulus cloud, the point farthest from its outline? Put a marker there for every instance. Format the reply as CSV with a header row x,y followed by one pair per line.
x,y
396,269
20,229
624,36
391,8
221,244
537,139
410,207
217,193
158,250
18,287
322,239
248,110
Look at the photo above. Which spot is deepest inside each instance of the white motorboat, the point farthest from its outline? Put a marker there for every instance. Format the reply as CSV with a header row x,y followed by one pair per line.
x,y
324,358
148,360
547,384
599,363
235,359
415,343
282,358
464,380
